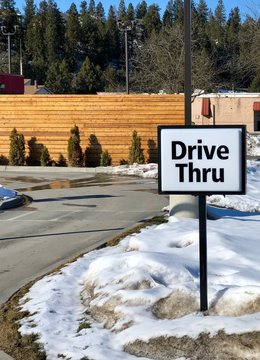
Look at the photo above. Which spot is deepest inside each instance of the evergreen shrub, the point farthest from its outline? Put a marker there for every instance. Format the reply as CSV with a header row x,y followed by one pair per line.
x,y
17,149
106,159
136,154
75,155
45,158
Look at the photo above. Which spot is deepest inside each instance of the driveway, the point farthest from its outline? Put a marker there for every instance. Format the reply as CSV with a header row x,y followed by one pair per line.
x,y
69,214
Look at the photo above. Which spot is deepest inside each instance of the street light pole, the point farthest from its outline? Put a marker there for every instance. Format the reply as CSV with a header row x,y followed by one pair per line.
x,y
126,27
188,65
126,63
9,34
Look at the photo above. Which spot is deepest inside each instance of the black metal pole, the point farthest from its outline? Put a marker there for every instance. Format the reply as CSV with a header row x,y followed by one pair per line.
x,y
9,53
188,65
126,63
203,253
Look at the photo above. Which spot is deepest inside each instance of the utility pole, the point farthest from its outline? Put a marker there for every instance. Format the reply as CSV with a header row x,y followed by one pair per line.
x,y
9,34
188,65
126,27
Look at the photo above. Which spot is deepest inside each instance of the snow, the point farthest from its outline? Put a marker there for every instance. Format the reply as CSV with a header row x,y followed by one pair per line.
x,y
111,297
98,304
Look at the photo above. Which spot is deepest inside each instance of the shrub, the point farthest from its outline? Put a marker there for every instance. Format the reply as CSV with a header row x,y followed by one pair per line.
x,y
45,158
17,149
75,156
62,161
136,152
106,159
3,160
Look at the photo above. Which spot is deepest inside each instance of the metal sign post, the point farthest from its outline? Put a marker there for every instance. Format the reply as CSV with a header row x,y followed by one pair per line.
x,y
203,253
201,161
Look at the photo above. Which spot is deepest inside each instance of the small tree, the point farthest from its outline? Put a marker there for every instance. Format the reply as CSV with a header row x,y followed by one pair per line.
x,y
17,149
106,159
75,156
136,152
45,158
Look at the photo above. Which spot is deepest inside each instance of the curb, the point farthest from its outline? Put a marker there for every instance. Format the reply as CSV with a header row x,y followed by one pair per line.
x,y
54,169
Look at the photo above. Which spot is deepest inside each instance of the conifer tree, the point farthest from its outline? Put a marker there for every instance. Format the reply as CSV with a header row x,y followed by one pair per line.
x,y
111,43
136,152
121,12
75,155
54,33
29,12
59,78
17,148
152,20
88,80
168,14
72,38
141,10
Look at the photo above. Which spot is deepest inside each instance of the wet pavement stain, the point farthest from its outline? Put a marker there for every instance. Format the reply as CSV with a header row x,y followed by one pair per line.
x,y
98,180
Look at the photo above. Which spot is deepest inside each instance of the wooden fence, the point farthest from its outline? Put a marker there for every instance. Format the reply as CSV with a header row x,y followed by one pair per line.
x,y
106,122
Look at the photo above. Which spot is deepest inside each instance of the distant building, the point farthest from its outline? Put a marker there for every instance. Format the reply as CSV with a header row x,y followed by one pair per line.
x,y
32,88
11,84
227,109
16,84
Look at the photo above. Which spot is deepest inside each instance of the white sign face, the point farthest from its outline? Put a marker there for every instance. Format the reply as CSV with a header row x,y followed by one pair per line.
x,y
202,159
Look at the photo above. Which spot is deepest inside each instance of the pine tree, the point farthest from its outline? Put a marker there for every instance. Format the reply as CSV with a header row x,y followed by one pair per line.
x,y
111,43
92,34
152,21
168,14
29,12
178,11
88,80
121,12
54,33
72,38
59,78
141,10
130,13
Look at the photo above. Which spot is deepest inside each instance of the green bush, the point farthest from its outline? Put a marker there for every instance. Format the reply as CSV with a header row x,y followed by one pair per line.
x,y
45,158
75,156
62,161
106,159
17,149
136,152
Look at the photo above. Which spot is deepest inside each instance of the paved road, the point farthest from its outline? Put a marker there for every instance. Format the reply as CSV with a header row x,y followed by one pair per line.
x,y
70,214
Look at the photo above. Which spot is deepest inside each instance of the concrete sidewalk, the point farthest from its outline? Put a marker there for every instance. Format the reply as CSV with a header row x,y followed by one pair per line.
x,y
4,356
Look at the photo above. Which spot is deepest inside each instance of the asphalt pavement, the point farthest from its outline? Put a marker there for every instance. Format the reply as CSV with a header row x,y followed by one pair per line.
x,y
68,212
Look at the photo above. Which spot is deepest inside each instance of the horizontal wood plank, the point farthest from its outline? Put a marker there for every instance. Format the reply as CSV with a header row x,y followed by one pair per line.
x,y
110,118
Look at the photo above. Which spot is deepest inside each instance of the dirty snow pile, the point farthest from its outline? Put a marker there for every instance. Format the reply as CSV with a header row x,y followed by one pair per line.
x,y
140,299
253,144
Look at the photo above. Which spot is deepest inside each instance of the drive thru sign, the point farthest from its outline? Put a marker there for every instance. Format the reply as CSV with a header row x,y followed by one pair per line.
x,y
202,160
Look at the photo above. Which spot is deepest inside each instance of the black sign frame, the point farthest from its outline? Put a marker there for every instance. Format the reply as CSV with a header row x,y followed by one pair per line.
x,y
242,159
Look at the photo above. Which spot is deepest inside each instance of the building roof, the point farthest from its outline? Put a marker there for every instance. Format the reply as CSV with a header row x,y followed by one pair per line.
x,y
35,89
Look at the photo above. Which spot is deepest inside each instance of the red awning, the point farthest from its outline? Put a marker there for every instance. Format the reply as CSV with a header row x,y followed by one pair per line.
x,y
256,106
205,110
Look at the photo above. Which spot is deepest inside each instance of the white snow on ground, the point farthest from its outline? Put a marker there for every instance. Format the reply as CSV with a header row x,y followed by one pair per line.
x,y
96,305
253,144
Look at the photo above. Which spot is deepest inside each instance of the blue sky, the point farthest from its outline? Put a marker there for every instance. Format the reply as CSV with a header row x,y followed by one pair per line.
x,y
64,5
